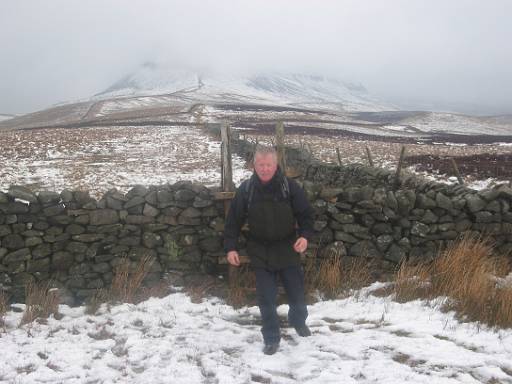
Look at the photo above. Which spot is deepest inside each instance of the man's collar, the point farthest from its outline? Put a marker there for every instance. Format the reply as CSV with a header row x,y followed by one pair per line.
x,y
277,176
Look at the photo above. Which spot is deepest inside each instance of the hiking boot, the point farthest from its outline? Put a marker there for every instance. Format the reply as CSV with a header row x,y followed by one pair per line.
x,y
303,330
270,348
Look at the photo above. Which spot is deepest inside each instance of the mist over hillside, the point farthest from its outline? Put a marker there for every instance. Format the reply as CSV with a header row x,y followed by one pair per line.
x,y
275,88
5,116
160,94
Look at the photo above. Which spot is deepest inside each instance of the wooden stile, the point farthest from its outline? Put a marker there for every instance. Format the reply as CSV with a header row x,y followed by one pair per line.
x,y
281,155
228,187
456,171
369,155
399,166
339,155
223,195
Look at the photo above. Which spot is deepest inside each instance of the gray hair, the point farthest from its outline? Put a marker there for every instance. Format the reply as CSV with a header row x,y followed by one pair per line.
x,y
264,150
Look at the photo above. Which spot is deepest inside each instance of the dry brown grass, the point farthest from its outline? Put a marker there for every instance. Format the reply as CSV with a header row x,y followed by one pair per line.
x,y
160,289
355,273
412,281
336,275
3,307
41,301
94,302
198,291
329,276
310,278
503,307
466,274
126,286
332,277
241,284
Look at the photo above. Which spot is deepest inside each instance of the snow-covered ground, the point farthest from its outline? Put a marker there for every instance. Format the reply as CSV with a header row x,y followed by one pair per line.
x,y
98,159
386,154
360,339
113,106
458,124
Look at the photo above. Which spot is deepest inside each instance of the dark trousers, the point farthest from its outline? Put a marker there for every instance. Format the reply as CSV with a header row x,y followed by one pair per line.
x,y
266,289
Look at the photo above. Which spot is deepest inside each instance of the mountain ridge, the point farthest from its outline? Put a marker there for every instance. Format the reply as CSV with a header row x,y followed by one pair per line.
x,y
159,95
275,88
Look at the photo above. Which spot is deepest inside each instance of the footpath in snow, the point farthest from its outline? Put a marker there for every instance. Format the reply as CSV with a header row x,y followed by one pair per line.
x,y
360,339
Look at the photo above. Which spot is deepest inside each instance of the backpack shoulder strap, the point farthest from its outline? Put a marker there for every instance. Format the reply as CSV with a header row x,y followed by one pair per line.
x,y
248,192
285,188
248,188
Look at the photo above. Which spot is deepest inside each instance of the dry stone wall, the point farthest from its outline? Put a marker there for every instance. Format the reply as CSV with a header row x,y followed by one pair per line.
x,y
77,241
360,212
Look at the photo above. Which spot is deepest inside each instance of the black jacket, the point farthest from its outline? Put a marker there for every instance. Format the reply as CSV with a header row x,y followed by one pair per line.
x,y
266,252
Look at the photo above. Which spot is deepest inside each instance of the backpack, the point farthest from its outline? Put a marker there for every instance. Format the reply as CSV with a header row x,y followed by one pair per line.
x,y
249,190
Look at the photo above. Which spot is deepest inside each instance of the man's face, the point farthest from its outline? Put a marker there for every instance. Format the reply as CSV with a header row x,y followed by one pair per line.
x,y
265,166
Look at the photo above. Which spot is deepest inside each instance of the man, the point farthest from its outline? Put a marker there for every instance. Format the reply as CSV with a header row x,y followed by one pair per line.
x,y
280,222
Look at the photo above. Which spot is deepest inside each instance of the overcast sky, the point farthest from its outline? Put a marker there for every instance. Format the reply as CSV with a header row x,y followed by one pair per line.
x,y
414,52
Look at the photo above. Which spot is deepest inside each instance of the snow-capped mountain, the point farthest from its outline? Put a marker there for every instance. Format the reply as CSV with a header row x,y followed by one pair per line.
x,y
161,94
275,88
151,79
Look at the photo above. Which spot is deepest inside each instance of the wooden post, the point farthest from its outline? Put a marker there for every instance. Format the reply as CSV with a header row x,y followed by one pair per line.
x,y
227,184
281,155
339,156
250,159
399,166
213,129
456,170
369,154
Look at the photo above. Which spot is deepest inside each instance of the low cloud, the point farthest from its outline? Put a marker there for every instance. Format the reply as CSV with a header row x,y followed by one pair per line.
x,y
413,53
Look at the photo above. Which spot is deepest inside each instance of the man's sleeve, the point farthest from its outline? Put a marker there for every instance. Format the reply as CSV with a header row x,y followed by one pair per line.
x,y
234,221
302,210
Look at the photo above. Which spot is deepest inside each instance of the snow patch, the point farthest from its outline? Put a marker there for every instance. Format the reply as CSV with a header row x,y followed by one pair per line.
x,y
359,339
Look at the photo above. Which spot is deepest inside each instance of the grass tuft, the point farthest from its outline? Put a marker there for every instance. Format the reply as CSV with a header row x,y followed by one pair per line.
x,y
241,284
329,276
160,290
4,304
126,286
94,302
336,276
467,273
412,281
310,279
356,273
41,301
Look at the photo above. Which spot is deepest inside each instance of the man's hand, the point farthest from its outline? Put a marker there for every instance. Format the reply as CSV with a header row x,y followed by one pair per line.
x,y
233,258
300,245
